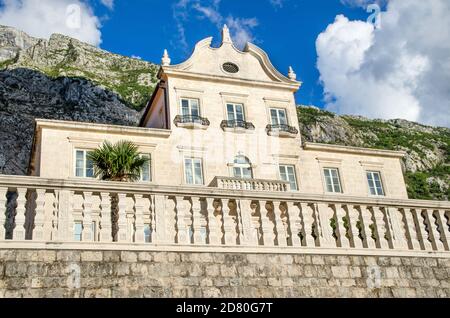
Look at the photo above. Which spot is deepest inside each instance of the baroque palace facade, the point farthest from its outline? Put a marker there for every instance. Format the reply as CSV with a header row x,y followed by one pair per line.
x,y
227,168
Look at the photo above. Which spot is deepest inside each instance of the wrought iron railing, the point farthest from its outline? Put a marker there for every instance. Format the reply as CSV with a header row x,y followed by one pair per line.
x,y
188,119
237,124
282,128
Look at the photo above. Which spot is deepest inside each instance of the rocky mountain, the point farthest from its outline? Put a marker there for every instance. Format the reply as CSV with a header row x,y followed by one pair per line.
x,y
62,78
427,161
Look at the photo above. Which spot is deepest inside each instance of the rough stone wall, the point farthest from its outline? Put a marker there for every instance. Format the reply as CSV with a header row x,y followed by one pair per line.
x,y
46,273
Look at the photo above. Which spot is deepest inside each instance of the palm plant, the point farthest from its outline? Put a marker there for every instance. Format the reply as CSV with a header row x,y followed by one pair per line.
x,y
117,162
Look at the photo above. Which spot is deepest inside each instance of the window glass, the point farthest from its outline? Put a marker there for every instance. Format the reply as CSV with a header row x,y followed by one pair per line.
x,y
147,233
79,165
375,183
332,180
278,116
190,107
84,168
146,169
287,173
77,231
193,171
242,168
235,112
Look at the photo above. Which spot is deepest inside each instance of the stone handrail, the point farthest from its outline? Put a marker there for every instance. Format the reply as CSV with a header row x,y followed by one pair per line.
x,y
230,183
45,210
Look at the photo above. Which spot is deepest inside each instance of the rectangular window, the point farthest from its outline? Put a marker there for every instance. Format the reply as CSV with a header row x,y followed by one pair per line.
x,y
77,231
235,112
332,180
190,107
84,168
287,173
193,169
146,174
147,233
375,183
278,116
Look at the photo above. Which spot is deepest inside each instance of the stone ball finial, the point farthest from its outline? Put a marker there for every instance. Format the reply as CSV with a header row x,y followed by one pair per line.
x,y
292,74
226,37
165,59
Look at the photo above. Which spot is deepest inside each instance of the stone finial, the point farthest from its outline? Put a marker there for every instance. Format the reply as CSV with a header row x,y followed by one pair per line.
x,y
292,74
165,59
226,37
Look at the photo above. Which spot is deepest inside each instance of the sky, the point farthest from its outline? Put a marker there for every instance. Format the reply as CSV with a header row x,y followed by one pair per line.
x,y
376,58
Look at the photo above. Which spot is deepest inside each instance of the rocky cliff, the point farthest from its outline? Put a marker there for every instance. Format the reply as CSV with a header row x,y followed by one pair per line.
x,y
63,78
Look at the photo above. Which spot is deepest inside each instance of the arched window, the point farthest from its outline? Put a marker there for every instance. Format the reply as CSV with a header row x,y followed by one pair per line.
x,y
242,168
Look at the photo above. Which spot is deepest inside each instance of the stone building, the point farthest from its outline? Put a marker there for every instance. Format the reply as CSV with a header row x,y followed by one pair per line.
x,y
228,173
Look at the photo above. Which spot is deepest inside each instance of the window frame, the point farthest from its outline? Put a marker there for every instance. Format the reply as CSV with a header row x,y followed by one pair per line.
x,y
150,173
241,167
75,233
294,170
278,110
332,181
85,152
190,99
234,104
193,171
383,189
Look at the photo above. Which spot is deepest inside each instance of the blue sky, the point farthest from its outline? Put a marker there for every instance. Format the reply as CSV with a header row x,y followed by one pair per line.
x,y
287,32
398,67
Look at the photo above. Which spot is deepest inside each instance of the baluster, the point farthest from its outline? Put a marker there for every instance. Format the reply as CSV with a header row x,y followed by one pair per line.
x,y
433,231
366,219
139,236
354,218
281,230
341,231
54,216
163,233
122,222
410,227
380,227
229,223
255,220
184,221
397,229
308,223
214,224
324,230
267,226
443,228
199,221
87,234
65,219
421,230
106,226
19,230
3,200
295,224
39,219
247,237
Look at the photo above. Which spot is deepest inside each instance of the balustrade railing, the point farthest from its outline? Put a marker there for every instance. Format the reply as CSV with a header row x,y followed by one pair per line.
x,y
44,210
229,183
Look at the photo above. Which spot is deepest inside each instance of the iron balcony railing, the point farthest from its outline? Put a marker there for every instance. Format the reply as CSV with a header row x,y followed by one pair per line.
x,y
281,128
237,124
189,119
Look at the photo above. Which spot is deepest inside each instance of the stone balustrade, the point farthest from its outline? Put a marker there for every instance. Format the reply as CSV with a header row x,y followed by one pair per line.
x,y
44,210
229,183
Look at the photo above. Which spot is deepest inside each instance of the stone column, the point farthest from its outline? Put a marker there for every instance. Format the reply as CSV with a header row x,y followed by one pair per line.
x,y
354,217
325,233
39,219
294,223
433,232
106,225
443,228
184,221
214,223
139,236
122,222
229,224
87,235
247,237
308,223
397,229
267,225
281,231
161,226
421,230
341,231
410,227
3,192
19,230
199,223
380,227
366,219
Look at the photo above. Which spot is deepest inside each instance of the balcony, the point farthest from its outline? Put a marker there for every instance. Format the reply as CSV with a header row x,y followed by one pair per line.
x,y
238,126
46,213
282,131
228,183
192,122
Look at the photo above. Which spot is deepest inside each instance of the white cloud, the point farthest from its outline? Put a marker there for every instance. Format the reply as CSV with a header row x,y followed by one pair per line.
x,y
241,28
400,70
41,18
108,3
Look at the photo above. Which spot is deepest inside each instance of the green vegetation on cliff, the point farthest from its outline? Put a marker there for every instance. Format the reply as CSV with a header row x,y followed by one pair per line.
x,y
427,161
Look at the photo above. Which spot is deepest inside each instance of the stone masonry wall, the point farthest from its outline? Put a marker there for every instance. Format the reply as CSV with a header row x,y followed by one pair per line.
x,y
64,273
